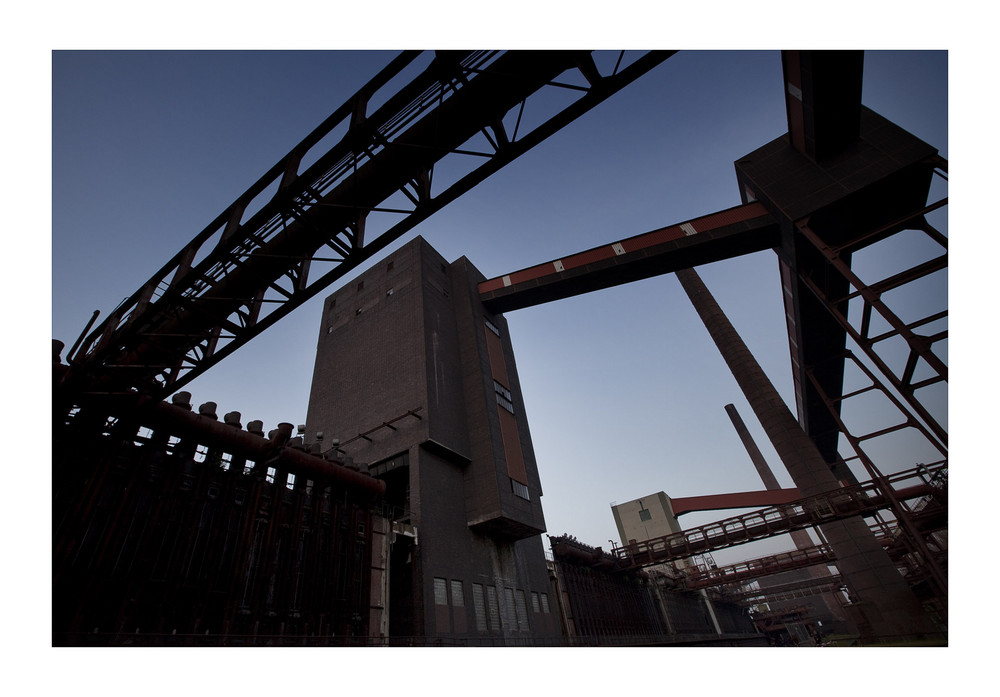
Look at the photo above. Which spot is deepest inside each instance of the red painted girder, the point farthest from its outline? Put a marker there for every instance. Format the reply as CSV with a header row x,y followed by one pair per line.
x,y
721,235
743,499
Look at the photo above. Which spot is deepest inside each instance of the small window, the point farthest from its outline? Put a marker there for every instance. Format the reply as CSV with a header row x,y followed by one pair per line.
x,y
269,478
522,612
440,591
493,607
509,597
479,603
535,605
644,514
545,603
388,267
492,327
361,285
290,481
520,490
504,397
457,594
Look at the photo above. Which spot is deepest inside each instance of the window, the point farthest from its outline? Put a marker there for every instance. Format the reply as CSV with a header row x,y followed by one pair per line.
x,y
519,489
492,327
457,594
290,481
270,475
440,591
493,607
545,603
504,397
522,612
644,514
535,606
479,603
509,597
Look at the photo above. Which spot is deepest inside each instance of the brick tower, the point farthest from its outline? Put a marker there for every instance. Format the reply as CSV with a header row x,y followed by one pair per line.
x,y
416,380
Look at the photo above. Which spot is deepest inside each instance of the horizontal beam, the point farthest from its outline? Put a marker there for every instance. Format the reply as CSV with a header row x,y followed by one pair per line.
x,y
743,499
729,233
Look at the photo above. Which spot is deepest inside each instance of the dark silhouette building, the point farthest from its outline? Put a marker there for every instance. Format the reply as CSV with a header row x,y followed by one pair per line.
x,y
416,379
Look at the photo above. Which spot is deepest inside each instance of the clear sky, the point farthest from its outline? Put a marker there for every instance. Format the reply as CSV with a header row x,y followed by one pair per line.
x,y
624,390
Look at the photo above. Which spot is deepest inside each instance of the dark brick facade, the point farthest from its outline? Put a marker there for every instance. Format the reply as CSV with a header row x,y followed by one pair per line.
x,y
415,379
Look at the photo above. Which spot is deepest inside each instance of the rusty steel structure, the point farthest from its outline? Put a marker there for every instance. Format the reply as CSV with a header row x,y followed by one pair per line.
x,y
165,533
171,528
303,224
859,499
605,605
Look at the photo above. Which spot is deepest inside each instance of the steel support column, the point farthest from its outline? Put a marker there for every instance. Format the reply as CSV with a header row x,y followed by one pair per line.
x,y
889,605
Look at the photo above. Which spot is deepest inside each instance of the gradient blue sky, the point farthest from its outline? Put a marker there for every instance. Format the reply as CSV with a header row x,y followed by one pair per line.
x,y
623,388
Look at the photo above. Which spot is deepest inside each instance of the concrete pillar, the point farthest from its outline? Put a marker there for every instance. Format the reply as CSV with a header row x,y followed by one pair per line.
x,y
889,606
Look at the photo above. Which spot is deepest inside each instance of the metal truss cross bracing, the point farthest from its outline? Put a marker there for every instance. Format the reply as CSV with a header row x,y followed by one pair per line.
x,y
859,499
307,221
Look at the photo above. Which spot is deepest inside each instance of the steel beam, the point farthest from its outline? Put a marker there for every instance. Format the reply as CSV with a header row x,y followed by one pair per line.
x,y
271,238
722,235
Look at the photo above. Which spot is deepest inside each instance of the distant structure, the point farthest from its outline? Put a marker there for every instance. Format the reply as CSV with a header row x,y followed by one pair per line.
x,y
416,378
602,604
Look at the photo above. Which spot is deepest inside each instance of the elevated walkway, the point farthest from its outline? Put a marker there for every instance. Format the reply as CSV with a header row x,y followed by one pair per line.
x,y
860,499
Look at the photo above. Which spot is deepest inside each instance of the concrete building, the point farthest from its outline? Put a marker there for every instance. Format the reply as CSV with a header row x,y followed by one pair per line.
x,y
415,378
647,518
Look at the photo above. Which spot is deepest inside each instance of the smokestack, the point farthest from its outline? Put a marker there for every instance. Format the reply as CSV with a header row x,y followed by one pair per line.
x,y
890,607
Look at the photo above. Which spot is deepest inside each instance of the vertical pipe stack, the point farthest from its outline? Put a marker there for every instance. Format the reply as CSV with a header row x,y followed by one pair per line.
x,y
889,606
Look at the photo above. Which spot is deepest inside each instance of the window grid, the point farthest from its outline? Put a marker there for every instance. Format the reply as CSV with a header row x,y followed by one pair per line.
x,y
545,603
522,612
440,591
479,603
520,489
457,594
509,597
535,606
493,606
504,398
